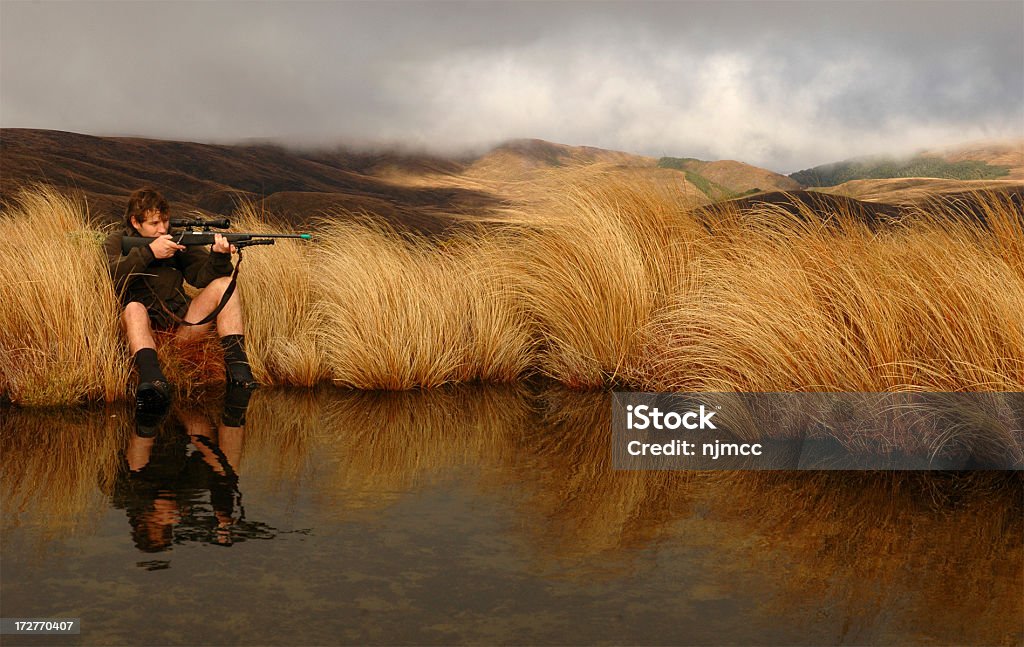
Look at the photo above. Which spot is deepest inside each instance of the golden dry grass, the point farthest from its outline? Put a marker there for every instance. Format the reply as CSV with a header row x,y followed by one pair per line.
x,y
822,302
278,298
397,312
593,261
58,315
592,282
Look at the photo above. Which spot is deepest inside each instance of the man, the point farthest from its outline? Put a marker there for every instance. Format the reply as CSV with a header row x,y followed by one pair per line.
x,y
150,282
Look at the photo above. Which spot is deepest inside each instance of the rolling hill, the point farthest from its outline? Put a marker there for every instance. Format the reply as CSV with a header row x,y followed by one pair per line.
x,y
727,179
416,191
983,161
1006,154
915,190
211,178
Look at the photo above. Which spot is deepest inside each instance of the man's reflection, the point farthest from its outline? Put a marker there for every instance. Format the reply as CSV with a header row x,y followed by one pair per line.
x,y
181,482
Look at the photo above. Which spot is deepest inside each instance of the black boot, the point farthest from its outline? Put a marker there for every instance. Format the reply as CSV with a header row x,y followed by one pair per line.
x,y
153,393
148,420
236,363
236,404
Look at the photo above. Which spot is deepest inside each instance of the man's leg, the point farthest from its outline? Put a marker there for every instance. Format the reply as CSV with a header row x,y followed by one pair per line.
x,y
230,328
136,324
152,392
229,321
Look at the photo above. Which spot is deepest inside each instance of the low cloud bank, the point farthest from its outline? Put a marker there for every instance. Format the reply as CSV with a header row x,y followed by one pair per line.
x,y
785,86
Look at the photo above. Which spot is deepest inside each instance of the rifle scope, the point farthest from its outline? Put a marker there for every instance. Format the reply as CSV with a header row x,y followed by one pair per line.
x,y
216,223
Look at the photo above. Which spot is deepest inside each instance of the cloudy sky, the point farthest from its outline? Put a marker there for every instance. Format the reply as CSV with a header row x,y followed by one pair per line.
x,y
781,85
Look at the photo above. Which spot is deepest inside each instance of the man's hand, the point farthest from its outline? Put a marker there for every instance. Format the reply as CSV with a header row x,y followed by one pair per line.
x,y
165,247
220,244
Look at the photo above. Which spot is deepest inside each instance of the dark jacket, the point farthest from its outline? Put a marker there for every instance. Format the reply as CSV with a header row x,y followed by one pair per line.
x,y
140,276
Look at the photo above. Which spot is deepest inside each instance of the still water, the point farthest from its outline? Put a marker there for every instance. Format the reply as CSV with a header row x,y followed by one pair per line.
x,y
476,515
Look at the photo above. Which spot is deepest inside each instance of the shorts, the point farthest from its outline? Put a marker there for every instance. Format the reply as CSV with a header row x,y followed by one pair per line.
x,y
159,318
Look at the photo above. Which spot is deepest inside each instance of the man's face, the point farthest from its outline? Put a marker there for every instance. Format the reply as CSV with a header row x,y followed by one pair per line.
x,y
153,223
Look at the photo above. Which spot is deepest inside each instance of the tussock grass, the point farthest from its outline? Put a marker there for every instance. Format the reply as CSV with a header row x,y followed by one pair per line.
x,y
59,318
278,297
593,261
592,282
822,302
397,312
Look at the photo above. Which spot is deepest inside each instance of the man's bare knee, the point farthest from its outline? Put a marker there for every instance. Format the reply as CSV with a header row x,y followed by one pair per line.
x,y
135,313
220,285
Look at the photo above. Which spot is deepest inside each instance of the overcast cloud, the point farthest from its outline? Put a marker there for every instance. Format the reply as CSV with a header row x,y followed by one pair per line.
x,y
780,85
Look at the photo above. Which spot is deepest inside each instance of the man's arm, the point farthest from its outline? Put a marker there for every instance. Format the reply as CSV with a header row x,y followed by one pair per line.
x,y
122,268
200,266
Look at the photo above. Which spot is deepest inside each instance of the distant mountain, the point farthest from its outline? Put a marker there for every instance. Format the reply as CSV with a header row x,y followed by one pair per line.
x,y
969,205
915,190
1009,154
796,203
990,161
411,191
417,191
517,159
293,186
520,159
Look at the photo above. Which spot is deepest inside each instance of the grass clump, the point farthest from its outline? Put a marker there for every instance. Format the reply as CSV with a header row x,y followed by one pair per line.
x,y
397,312
59,317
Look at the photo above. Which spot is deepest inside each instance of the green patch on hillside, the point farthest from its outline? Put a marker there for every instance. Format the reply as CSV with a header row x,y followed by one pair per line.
x,y
677,163
877,168
690,167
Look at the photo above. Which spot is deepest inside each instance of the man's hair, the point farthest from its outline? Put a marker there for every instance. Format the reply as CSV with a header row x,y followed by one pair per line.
x,y
143,200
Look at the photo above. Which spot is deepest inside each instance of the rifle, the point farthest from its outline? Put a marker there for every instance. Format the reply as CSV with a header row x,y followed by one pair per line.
x,y
198,232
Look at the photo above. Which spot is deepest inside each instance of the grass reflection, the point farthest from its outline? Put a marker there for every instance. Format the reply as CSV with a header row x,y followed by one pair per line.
x,y
56,464
929,553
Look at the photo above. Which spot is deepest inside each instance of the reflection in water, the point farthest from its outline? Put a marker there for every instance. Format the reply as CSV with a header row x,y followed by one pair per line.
x,y
365,449
947,543
841,431
53,460
181,481
925,556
